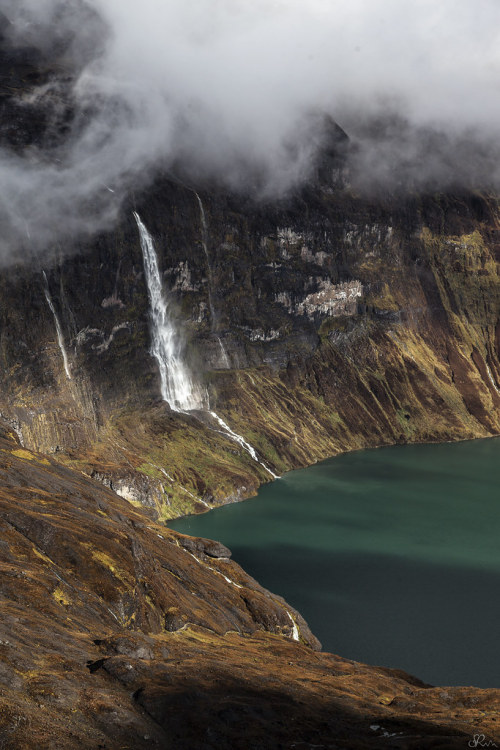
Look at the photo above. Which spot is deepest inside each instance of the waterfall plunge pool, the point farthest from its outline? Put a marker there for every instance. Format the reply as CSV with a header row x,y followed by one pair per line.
x,y
392,555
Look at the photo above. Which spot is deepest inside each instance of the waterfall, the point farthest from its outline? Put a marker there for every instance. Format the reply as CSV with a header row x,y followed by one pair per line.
x,y
60,338
492,380
225,358
177,386
241,441
213,316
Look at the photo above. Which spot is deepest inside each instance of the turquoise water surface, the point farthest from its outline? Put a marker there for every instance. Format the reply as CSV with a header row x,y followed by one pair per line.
x,y
391,555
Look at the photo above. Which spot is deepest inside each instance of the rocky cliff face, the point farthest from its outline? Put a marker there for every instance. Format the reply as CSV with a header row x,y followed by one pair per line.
x,y
317,325
322,323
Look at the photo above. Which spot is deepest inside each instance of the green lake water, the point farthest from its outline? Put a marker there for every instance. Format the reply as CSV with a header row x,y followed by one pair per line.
x,y
391,555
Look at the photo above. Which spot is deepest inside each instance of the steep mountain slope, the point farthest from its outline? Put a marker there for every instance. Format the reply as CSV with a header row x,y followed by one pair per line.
x,y
118,633
321,323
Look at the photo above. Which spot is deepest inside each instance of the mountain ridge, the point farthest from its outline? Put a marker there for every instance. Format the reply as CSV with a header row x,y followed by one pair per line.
x,y
322,322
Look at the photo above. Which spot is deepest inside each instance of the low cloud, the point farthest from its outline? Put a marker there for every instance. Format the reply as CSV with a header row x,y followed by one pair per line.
x,y
236,90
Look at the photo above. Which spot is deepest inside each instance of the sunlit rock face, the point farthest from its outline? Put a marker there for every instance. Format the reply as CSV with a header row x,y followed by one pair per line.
x,y
384,330
330,300
317,323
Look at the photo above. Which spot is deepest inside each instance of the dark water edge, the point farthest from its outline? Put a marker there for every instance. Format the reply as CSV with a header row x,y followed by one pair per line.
x,y
392,555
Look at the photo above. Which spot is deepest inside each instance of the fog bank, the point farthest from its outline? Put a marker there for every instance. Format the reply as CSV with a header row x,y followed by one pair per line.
x,y
235,90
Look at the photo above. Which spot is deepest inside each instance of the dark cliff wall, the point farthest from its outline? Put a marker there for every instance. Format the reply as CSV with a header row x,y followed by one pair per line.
x,y
319,324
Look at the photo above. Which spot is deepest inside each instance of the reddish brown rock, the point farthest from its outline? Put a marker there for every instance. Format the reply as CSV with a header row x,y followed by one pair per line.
x,y
119,633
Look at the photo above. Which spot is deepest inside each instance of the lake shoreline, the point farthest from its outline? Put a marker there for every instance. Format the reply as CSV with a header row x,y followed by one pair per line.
x,y
447,564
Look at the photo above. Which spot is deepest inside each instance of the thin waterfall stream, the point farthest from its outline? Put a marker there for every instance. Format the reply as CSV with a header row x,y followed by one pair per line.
x,y
178,387
60,337
204,244
226,430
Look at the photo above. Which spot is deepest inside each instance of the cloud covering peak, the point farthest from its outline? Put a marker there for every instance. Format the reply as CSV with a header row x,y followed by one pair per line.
x,y
234,90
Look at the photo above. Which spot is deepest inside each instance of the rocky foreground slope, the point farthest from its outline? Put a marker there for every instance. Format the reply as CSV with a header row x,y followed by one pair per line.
x,y
119,633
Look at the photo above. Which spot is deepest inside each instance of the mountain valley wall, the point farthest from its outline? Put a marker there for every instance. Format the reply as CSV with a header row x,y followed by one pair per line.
x,y
319,324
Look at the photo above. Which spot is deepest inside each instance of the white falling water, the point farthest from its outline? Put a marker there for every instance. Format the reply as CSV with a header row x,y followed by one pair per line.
x,y
60,338
241,441
177,386
204,244
492,380
295,629
225,358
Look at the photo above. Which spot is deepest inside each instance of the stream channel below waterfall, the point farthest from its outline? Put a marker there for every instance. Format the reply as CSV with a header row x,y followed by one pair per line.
x,y
392,555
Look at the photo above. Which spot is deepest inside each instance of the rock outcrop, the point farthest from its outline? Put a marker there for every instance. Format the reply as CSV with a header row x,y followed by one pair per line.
x,y
392,337
119,633
321,323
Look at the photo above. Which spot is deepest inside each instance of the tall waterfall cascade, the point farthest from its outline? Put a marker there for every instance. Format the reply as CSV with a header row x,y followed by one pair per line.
x,y
60,337
178,388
